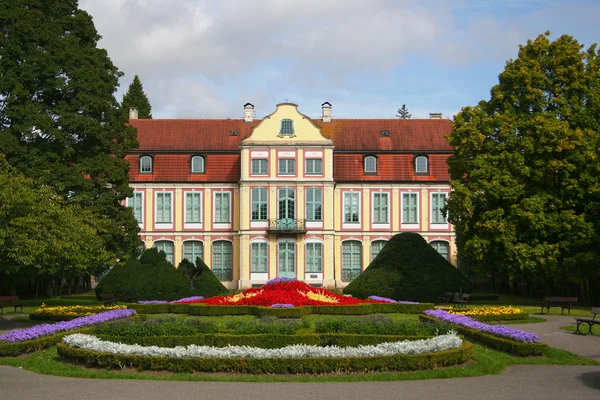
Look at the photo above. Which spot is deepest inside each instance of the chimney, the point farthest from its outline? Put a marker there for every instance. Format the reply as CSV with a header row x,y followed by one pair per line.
x,y
133,113
248,112
435,115
326,107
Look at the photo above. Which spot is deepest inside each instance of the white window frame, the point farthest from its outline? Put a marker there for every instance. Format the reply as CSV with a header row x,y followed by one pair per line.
x,y
222,224
259,274
288,161
142,158
186,222
351,224
405,224
385,224
252,202
313,275
443,224
420,170
141,205
163,225
447,257
314,162
313,223
203,165
192,241
259,161
366,166
169,255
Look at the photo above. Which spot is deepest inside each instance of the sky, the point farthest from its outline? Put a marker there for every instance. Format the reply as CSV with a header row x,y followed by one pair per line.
x,y
207,58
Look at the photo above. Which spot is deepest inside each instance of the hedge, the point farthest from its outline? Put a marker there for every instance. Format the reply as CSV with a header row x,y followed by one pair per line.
x,y
503,317
53,318
497,342
404,362
295,312
11,349
265,341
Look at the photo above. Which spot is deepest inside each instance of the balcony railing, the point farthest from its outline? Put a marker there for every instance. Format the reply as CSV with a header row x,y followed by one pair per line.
x,y
287,225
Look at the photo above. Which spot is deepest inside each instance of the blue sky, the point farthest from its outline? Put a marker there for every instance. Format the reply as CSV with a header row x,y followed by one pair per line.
x,y
205,59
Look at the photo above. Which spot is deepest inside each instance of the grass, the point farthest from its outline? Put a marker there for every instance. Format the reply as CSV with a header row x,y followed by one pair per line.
x,y
583,328
485,362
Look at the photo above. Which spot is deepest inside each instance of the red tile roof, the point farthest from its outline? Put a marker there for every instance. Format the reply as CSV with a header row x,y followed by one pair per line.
x,y
172,141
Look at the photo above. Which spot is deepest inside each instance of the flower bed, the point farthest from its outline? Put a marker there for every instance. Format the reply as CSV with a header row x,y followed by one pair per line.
x,y
50,329
185,300
412,355
388,300
67,313
511,340
493,313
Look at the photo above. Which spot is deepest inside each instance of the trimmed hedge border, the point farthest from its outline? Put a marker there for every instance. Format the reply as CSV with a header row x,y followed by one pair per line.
x,y
403,362
296,312
265,341
12,349
499,343
499,318
53,318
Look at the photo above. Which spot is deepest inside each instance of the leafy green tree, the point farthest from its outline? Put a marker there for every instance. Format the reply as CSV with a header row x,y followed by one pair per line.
x,y
39,229
135,97
403,113
525,170
60,123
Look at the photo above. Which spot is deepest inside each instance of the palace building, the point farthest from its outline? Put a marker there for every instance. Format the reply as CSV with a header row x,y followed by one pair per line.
x,y
287,195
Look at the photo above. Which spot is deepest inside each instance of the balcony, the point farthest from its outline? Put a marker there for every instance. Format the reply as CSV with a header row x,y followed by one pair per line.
x,y
286,225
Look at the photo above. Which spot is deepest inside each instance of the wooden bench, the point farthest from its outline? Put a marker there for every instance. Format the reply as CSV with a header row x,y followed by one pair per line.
x,y
590,321
13,300
448,296
108,299
556,301
461,300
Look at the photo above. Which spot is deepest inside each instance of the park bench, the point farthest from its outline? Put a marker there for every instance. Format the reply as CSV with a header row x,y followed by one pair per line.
x,y
108,298
461,300
556,301
10,301
447,297
128,298
590,321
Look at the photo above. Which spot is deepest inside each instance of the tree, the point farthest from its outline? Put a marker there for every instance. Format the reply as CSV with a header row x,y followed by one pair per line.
x,y
135,97
39,230
403,113
60,123
525,171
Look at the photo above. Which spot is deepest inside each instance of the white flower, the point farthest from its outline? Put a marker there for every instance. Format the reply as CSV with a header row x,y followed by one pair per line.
x,y
438,343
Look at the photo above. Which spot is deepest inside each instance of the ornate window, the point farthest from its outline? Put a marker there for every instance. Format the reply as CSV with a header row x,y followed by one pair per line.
x,y
421,165
198,165
287,127
351,259
145,165
370,164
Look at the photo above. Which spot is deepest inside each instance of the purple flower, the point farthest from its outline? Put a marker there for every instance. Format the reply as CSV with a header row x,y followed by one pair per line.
x,y
193,298
281,279
50,329
384,299
407,302
281,305
500,330
153,302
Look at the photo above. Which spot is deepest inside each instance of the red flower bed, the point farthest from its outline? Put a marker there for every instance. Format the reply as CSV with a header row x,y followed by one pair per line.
x,y
283,292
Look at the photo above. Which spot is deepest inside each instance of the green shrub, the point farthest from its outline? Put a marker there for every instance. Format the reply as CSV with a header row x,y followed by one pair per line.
x,y
408,268
379,325
151,277
205,282
268,324
405,362
156,326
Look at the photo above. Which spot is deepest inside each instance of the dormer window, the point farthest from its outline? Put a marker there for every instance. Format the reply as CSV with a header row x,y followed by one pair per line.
x,y
287,127
145,165
421,164
198,165
370,165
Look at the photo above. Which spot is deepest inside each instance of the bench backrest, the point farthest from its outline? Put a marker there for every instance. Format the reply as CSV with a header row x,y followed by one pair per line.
x,y
558,299
595,310
9,298
106,295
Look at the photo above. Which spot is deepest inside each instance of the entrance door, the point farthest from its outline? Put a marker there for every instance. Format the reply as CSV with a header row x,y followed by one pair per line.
x,y
287,209
287,259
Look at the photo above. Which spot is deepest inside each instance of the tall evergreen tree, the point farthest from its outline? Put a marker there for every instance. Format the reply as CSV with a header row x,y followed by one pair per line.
x,y
135,97
403,113
525,170
60,123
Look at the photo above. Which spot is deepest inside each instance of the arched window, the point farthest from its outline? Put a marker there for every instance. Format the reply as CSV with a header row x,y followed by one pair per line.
x,y
351,259
441,247
287,127
370,164
193,249
222,260
314,257
259,257
421,164
167,247
145,164
198,164
376,246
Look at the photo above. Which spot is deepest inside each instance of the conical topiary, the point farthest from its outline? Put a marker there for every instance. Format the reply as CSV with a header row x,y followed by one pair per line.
x,y
206,283
408,268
